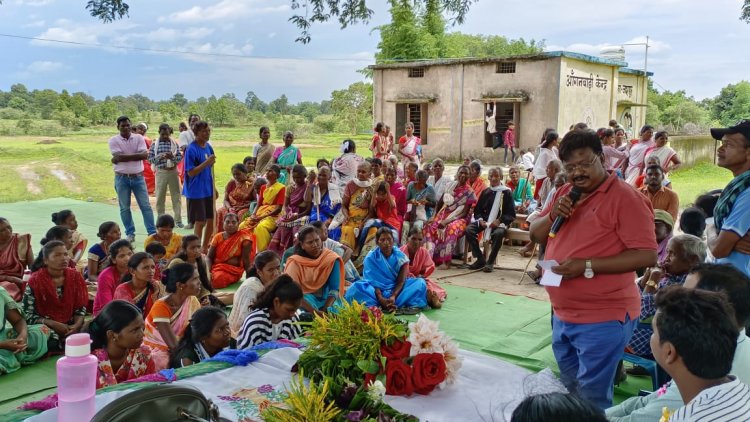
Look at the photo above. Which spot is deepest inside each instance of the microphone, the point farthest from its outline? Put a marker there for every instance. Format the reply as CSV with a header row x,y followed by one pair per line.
x,y
574,194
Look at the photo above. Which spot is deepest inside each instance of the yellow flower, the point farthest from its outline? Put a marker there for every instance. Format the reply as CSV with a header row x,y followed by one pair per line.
x,y
665,414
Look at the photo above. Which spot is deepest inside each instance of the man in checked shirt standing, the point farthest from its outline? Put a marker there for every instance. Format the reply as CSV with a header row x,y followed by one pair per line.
x,y
165,154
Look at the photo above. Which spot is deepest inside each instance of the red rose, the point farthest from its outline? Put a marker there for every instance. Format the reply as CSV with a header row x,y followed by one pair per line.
x,y
428,370
398,350
398,378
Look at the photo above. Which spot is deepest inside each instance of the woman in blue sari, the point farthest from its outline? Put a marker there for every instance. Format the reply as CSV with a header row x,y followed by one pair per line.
x,y
325,199
385,282
286,157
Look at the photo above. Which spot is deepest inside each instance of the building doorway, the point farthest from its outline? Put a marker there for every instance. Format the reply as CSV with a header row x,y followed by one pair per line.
x,y
415,113
504,112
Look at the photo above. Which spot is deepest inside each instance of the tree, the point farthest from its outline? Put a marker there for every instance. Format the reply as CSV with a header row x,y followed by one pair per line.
x,y
252,102
279,105
18,103
353,106
346,12
218,111
404,38
179,100
45,101
170,111
732,104
745,16
78,105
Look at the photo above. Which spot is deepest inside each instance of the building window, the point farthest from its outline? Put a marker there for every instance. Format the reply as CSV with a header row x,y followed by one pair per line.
x,y
506,67
416,72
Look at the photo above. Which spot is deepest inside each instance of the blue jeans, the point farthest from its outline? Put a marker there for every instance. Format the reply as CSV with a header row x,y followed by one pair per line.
x,y
588,354
124,186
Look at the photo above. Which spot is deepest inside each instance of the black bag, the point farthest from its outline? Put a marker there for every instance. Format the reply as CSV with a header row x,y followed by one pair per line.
x,y
161,403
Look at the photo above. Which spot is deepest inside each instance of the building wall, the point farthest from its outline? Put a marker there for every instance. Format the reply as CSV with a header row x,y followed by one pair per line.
x,y
455,115
631,93
586,94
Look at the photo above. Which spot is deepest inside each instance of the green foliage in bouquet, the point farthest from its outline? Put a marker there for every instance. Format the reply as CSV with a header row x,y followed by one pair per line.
x,y
304,404
347,345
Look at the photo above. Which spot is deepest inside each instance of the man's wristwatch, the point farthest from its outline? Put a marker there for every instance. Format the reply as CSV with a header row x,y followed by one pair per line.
x,y
589,272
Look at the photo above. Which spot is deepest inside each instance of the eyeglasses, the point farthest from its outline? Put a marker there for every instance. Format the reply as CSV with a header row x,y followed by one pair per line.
x,y
570,168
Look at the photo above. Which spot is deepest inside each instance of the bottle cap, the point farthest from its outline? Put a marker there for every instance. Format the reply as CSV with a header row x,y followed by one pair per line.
x,y
78,345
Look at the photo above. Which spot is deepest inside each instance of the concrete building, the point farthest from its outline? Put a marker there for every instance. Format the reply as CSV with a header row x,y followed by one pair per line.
x,y
447,99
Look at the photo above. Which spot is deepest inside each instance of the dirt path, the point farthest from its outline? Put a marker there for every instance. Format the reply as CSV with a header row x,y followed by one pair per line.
x,y
30,177
66,178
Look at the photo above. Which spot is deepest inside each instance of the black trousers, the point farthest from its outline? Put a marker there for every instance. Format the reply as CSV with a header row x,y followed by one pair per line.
x,y
496,240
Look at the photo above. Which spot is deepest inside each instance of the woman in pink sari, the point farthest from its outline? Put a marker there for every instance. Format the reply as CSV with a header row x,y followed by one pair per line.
x,y
15,256
294,214
637,155
448,225
666,155
407,146
421,265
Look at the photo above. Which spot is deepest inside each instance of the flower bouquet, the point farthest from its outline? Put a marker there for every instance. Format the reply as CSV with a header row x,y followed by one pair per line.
x,y
360,354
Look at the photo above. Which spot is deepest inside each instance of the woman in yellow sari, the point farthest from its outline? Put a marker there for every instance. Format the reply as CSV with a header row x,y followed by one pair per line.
x,y
238,195
230,254
356,205
165,235
270,200
169,316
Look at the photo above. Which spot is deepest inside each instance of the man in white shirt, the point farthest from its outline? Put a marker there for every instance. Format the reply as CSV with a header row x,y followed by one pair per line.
x,y
527,160
694,340
711,277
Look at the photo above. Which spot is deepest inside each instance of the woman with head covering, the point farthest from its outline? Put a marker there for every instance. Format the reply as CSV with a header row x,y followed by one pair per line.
x,y
263,151
345,166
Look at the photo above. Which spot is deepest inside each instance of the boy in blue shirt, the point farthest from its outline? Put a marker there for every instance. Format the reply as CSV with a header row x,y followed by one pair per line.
x,y
199,187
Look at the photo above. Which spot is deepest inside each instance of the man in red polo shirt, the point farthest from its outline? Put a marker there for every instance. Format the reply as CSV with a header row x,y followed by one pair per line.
x,y
607,235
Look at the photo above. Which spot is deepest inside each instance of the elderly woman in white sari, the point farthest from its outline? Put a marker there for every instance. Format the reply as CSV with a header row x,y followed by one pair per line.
x,y
345,167
637,155
408,146
325,198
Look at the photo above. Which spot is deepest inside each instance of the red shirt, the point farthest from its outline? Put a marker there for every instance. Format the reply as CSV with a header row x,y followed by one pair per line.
x,y
614,218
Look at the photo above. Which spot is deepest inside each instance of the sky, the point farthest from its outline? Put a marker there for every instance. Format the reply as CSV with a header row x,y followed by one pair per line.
x,y
696,45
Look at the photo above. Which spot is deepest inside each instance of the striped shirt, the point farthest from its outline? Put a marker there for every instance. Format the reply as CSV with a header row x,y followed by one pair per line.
x,y
258,329
728,402
161,147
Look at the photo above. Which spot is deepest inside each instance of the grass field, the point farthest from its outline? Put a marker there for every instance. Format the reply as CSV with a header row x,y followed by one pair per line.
x,y
76,165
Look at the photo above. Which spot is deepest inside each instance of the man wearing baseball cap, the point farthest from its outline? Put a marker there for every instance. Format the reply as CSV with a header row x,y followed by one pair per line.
x,y
730,243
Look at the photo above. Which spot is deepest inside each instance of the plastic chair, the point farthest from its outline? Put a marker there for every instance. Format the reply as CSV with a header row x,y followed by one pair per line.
x,y
657,374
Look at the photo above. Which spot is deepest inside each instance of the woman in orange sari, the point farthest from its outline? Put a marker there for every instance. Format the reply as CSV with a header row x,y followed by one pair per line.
x,y
318,271
171,314
270,200
230,254
238,195
15,256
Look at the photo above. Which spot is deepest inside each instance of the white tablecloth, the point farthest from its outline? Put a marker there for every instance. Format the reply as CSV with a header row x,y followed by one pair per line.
x,y
486,389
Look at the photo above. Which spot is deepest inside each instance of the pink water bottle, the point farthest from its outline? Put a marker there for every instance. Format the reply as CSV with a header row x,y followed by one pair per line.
x,y
76,380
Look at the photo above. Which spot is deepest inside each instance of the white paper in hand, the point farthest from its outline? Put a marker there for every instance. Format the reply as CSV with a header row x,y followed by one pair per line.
x,y
549,278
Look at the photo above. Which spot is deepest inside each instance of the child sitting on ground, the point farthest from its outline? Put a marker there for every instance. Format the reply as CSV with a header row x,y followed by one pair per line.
x,y
157,251
274,316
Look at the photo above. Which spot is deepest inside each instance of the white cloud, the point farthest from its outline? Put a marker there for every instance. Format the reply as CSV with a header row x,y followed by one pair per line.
x,y
40,67
225,10
271,34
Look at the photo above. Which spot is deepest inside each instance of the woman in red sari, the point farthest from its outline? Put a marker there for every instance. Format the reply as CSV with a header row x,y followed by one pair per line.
x,y
448,225
238,195
56,295
15,256
229,255
138,286
294,214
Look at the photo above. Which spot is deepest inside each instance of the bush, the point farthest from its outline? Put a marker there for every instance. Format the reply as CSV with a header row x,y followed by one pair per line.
x,y
10,113
325,123
287,123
